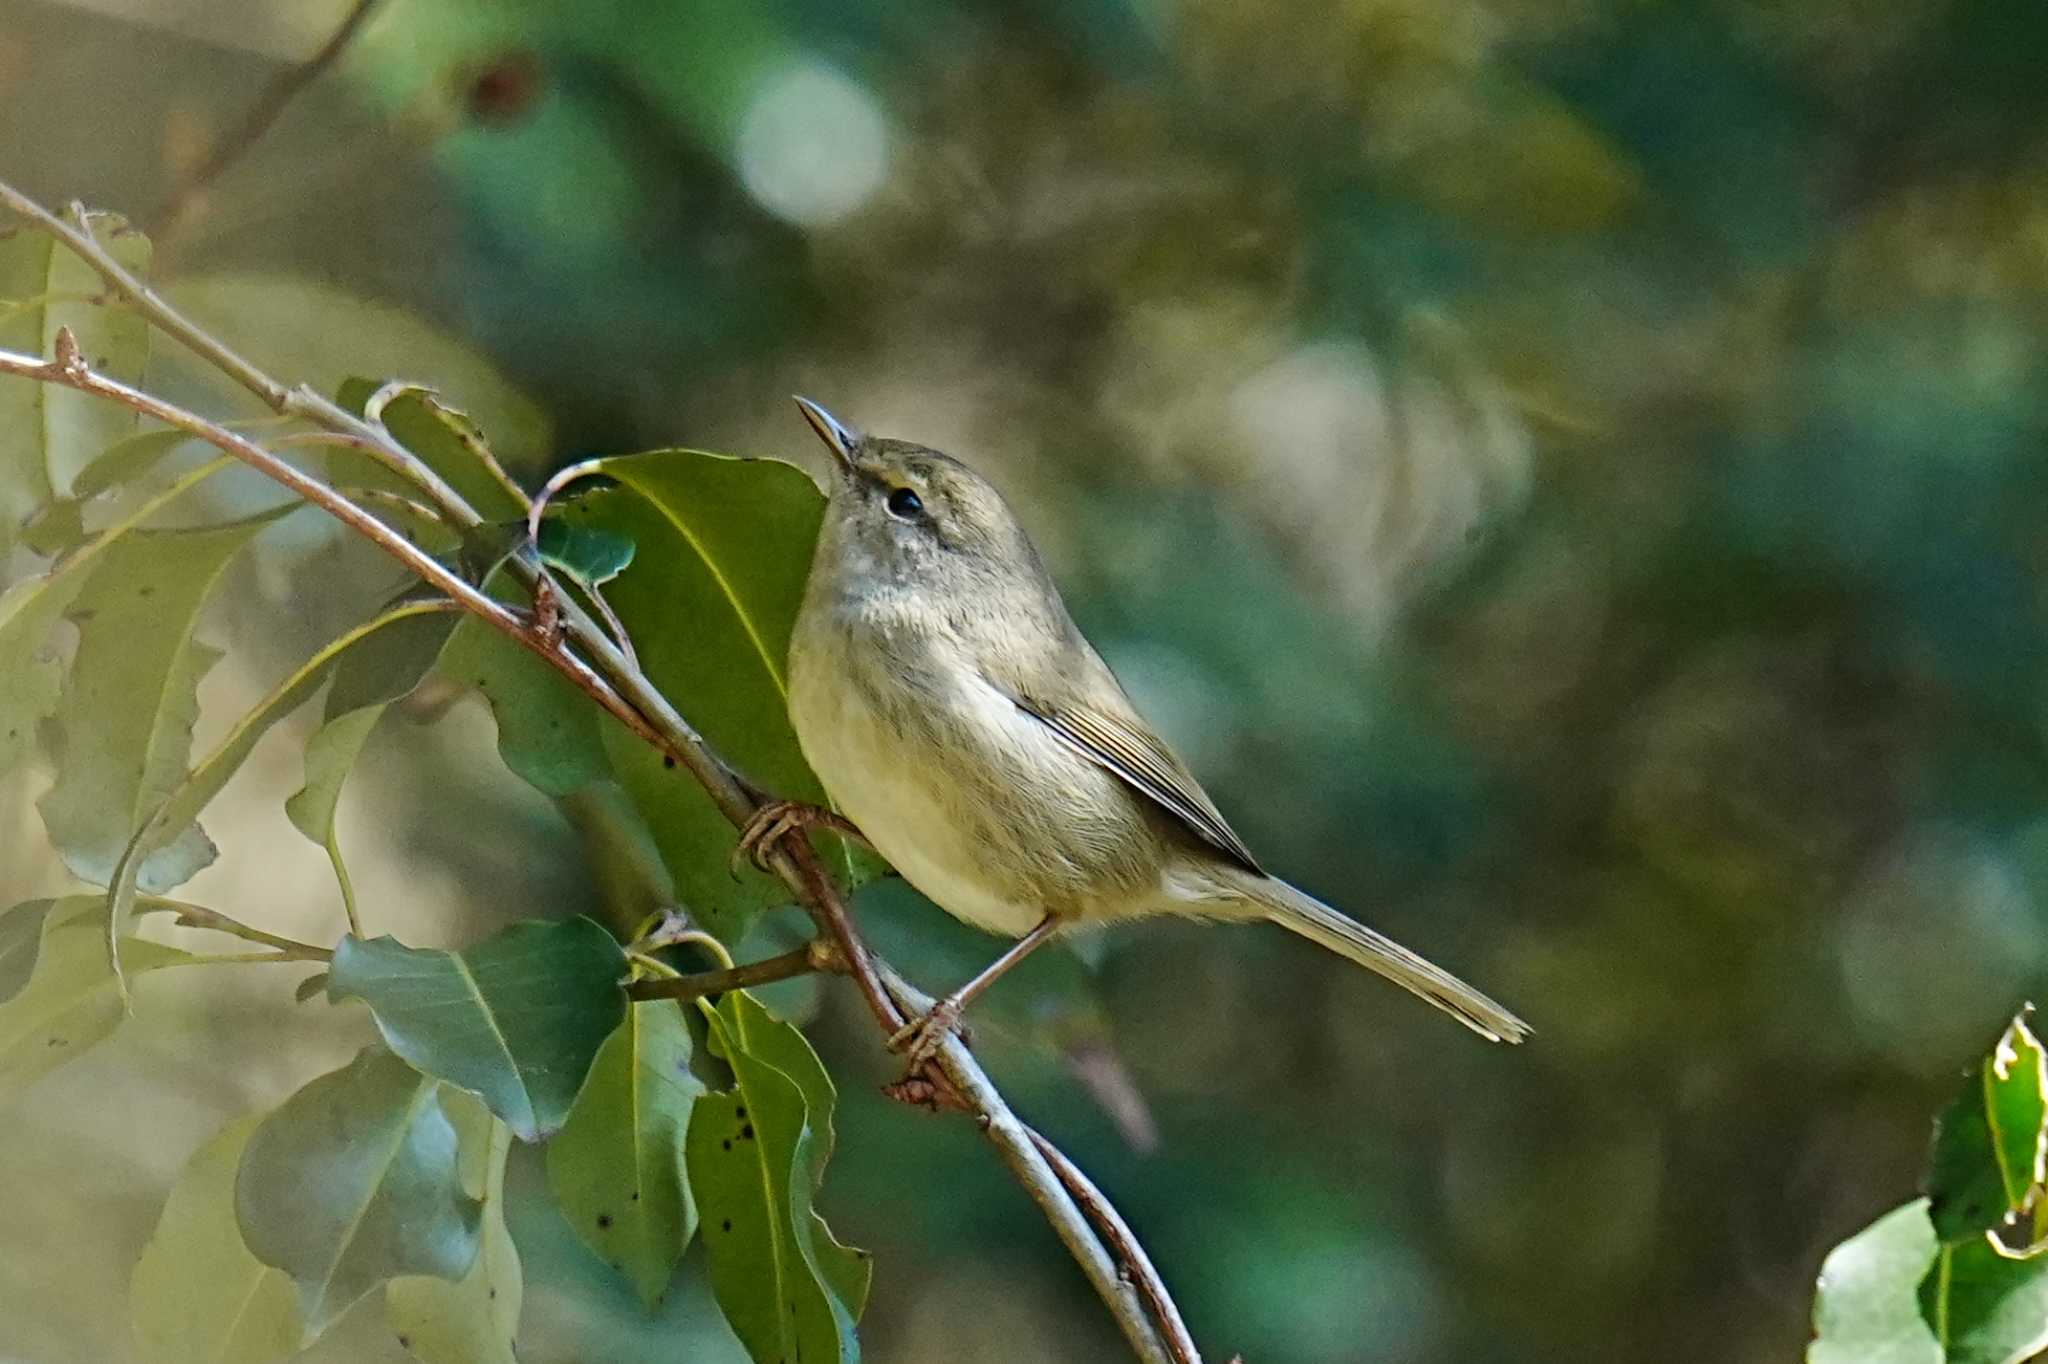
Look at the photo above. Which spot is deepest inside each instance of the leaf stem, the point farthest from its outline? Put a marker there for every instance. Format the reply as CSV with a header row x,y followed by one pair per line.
x,y
288,949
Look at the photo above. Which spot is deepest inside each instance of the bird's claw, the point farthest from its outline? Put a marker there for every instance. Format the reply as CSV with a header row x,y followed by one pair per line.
x,y
775,821
919,1039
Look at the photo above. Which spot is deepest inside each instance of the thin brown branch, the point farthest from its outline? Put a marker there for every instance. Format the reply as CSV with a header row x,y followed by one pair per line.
x,y
1110,1225
269,106
1152,1338
803,961
610,678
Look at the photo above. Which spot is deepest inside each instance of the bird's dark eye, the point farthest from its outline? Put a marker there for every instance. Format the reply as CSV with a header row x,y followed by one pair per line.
x,y
905,504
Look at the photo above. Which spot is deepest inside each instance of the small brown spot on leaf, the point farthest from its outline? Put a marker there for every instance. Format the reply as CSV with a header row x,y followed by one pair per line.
x,y
668,760
726,1225
747,1132
604,1221
727,1143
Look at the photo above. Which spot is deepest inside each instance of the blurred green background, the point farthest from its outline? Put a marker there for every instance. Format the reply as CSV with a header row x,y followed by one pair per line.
x,y
1569,474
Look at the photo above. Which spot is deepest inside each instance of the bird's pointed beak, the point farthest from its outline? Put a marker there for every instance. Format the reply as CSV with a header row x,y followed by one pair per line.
x,y
839,438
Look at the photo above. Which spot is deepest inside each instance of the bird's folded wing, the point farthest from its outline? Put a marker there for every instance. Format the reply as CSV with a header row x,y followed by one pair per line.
x,y
1122,745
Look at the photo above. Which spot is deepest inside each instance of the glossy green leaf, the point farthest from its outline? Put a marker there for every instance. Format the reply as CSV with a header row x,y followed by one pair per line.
x,y
354,1180
549,733
198,1296
48,432
591,555
474,1319
616,1167
1984,1306
182,806
70,1000
709,600
446,440
1990,1143
124,722
517,1019
1865,1311
755,1154
31,674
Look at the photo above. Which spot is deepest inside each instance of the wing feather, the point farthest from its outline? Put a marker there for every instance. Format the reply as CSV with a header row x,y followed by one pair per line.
x,y
1125,747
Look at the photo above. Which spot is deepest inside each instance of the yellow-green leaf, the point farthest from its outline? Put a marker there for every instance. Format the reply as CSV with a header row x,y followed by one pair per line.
x,y
70,1000
198,1296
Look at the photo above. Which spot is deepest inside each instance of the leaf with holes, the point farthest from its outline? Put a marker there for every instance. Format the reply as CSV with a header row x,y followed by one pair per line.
x,y
445,439
69,1000
616,1167
474,1319
124,722
1983,1305
197,1295
48,432
517,1019
755,1157
31,674
1989,1144
354,1181
709,601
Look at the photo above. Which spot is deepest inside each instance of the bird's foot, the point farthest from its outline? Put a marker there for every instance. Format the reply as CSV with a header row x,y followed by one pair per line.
x,y
919,1039
777,820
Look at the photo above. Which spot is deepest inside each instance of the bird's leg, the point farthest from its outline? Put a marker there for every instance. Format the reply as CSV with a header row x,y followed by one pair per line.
x,y
776,820
920,1037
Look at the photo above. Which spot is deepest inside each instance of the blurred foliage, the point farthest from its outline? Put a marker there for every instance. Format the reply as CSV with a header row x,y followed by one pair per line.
x,y
1592,449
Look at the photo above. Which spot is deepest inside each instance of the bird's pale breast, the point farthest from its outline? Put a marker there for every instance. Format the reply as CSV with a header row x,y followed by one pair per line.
x,y
974,801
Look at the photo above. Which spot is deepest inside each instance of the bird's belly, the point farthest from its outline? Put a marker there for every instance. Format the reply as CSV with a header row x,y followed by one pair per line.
x,y
903,812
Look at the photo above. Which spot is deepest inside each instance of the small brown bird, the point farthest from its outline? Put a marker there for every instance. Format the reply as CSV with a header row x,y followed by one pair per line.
x,y
957,716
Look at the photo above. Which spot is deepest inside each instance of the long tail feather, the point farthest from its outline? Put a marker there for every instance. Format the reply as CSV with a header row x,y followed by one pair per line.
x,y
1312,919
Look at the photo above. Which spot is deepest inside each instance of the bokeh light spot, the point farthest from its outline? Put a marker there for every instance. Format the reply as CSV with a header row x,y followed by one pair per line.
x,y
813,145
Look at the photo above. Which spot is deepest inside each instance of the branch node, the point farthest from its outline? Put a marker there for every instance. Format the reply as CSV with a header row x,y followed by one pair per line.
x,y
70,360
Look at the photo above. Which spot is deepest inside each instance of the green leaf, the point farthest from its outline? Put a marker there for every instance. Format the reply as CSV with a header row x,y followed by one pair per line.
x,y
71,1000
445,439
60,525
755,1154
49,432
516,1019
198,1296
31,675
474,1319
616,1167
1864,1310
182,806
1989,1144
549,733
127,460
1984,1306
353,1181
21,942
709,600
124,722
379,670
591,555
